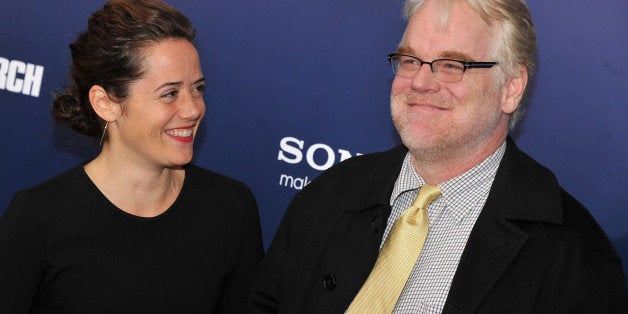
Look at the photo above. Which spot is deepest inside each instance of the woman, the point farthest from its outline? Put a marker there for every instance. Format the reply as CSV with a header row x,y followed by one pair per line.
x,y
138,229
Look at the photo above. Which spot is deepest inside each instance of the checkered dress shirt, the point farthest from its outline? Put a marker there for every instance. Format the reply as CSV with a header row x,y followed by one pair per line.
x,y
451,217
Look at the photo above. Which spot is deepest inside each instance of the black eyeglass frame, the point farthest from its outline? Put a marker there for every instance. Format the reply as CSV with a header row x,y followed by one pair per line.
x,y
466,64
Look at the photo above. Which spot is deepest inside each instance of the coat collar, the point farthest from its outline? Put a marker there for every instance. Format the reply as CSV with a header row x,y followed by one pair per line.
x,y
525,190
376,187
522,190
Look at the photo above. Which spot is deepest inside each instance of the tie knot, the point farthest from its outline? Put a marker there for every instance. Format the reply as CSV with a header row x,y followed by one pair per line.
x,y
427,194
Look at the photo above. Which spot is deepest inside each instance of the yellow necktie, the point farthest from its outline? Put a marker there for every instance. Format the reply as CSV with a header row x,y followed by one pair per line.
x,y
397,258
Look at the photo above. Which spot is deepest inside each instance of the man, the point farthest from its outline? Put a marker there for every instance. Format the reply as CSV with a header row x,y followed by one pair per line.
x,y
503,236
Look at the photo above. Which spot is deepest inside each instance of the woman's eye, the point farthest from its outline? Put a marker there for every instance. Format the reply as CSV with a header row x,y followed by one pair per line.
x,y
170,94
198,90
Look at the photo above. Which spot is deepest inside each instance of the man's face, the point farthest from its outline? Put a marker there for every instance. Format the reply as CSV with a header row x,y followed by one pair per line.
x,y
443,121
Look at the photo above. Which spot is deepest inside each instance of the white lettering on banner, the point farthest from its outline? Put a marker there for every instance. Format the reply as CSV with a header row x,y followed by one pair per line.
x,y
28,84
291,151
291,182
294,151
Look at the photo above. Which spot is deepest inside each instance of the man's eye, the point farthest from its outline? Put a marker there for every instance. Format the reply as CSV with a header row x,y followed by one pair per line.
x,y
455,66
408,61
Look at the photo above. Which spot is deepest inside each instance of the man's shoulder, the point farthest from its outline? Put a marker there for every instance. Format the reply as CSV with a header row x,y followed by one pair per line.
x,y
359,181
356,168
540,197
583,230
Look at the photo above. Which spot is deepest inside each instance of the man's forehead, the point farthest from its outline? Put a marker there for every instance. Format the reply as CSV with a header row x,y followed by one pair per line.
x,y
462,35
442,16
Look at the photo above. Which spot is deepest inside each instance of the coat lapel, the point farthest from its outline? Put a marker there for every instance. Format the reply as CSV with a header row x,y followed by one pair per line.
x,y
492,246
522,191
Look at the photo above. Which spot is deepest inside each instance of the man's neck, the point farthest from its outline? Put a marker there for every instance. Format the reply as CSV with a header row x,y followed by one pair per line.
x,y
448,164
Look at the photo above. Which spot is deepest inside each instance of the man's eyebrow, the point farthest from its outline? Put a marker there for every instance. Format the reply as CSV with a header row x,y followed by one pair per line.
x,y
405,50
448,54
457,55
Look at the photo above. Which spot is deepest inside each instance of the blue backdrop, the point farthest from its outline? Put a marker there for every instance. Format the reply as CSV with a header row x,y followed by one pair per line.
x,y
295,86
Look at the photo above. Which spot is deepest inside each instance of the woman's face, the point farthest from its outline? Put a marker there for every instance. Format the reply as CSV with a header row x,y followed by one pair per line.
x,y
160,118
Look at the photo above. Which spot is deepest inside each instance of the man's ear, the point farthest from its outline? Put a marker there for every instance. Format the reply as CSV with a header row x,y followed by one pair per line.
x,y
105,107
513,91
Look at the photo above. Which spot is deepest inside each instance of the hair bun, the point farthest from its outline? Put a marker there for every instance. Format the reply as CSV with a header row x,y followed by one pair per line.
x,y
68,110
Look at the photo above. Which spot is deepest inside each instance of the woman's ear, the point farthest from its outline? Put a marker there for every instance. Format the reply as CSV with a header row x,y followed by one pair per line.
x,y
104,106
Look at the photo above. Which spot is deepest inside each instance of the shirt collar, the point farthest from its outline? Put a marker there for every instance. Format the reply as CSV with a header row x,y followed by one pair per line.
x,y
460,186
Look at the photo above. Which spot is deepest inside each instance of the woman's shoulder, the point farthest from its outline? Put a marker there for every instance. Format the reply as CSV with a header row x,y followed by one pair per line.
x,y
58,196
212,181
226,196
59,184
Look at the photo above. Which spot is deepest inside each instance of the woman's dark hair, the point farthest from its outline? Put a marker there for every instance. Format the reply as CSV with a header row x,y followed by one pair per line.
x,y
109,54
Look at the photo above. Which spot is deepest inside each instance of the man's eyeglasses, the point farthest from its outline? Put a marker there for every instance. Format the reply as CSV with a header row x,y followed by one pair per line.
x,y
445,70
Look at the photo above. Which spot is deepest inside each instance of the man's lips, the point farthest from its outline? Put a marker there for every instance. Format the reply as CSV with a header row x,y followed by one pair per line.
x,y
425,106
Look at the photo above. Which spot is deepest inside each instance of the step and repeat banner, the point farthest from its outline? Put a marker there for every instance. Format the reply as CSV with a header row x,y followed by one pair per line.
x,y
294,87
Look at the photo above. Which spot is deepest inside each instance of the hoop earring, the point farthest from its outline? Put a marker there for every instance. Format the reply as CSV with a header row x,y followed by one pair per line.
x,y
104,131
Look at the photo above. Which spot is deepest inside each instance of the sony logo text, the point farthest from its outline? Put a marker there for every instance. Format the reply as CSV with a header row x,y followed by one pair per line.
x,y
291,151
20,77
